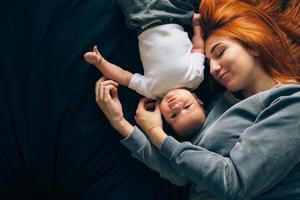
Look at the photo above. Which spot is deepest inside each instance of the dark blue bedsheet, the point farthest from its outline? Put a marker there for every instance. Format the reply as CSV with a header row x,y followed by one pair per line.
x,y
54,141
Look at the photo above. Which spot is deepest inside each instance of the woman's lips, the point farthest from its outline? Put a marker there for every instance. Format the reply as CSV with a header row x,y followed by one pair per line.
x,y
222,77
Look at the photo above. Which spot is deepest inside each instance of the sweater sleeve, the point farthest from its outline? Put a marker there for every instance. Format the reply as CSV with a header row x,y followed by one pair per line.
x,y
264,154
142,149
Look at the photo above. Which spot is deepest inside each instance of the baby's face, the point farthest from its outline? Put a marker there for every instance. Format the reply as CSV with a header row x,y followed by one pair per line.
x,y
183,111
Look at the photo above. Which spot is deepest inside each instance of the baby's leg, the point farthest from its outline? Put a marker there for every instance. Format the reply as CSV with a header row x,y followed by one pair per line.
x,y
109,70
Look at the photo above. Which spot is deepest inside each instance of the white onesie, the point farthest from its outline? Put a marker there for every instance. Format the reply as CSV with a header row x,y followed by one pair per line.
x,y
168,62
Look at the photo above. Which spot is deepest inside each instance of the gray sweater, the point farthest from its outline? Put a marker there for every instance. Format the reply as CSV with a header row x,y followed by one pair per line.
x,y
246,150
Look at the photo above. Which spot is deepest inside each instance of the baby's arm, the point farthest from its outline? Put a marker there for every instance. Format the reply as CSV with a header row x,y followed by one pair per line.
x,y
109,70
197,40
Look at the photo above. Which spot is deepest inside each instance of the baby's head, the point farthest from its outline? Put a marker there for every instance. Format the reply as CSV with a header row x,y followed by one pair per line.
x,y
183,111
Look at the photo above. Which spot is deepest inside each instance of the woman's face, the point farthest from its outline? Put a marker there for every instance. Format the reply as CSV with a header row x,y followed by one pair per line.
x,y
235,67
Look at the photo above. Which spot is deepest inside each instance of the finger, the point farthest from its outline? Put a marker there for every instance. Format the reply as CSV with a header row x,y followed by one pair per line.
x,y
196,17
112,89
106,93
110,82
150,105
157,109
197,29
103,78
97,85
114,92
101,91
148,99
141,104
97,90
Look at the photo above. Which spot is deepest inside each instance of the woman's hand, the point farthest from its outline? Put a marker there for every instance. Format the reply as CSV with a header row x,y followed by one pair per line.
x,y
106,93
148,117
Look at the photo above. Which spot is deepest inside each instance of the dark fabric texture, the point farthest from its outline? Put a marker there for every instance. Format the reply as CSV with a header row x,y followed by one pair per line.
x,y
55,143
139,14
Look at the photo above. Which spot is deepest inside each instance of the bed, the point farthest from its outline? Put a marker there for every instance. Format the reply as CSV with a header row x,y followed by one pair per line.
x,y
54,141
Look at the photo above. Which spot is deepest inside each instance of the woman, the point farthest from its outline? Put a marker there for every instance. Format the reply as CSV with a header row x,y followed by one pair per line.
x,y
249,147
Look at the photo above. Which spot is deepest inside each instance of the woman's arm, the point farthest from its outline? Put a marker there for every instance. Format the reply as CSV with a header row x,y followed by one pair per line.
x,y
151,122
265,153
106,94
142,149
263,156
135,140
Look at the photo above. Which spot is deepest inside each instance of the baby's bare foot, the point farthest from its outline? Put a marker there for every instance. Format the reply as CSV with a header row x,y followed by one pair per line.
x,y
93,57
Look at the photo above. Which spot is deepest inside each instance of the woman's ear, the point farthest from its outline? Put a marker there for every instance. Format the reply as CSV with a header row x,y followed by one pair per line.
x,y
197,99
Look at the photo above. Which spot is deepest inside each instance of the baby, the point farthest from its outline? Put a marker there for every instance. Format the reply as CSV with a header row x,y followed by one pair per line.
x,y
173,67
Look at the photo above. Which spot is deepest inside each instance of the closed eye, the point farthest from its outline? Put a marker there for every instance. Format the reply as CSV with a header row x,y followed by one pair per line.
x,y
188,106
220,53
173,115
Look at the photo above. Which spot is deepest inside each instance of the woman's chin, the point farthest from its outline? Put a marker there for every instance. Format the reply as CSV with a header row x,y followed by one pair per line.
x,y
232,87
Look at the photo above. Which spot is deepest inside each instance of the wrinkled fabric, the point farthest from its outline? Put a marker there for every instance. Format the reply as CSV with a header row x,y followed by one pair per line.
x,y
140,14
55,143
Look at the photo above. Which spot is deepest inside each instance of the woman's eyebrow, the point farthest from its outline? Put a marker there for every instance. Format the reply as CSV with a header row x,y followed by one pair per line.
x,y
212,50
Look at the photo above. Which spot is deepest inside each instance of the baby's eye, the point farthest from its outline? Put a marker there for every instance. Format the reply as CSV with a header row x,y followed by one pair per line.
x,y
188,106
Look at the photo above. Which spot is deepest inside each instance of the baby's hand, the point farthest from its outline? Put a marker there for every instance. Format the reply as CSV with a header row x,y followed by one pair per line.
x,y
196,19
93,57
197,40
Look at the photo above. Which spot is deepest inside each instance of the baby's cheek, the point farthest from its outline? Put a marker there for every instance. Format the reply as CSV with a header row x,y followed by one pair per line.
x,y
163,108
164,115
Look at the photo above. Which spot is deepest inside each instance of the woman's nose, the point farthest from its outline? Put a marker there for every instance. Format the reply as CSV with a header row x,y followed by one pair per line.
x,y
214,66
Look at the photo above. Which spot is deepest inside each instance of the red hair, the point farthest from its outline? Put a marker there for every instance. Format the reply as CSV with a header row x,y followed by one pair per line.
x,y
262,26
